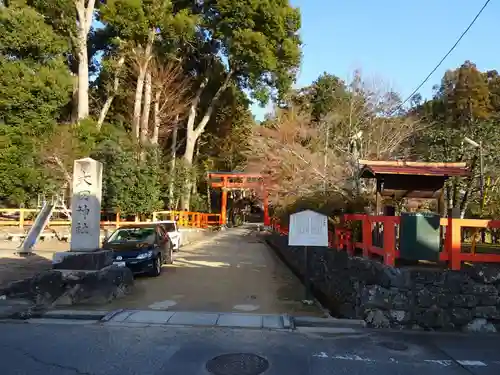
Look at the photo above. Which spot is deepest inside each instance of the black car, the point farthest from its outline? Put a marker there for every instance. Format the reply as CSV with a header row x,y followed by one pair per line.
x,y
141,247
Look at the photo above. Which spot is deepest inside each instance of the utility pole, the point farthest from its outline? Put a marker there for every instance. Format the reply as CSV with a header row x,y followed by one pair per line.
x,y
481,174
325,170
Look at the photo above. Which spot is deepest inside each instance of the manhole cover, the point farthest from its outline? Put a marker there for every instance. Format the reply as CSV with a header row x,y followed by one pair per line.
x,y
237,364
392,345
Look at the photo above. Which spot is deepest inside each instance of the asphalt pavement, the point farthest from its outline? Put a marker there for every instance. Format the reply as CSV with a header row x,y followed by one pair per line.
x,y
82,348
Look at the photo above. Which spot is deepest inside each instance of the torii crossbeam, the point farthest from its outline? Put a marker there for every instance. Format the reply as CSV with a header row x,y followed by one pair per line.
x,y
238,180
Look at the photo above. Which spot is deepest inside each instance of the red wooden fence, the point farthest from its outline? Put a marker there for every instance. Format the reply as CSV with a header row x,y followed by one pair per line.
x,y
341,239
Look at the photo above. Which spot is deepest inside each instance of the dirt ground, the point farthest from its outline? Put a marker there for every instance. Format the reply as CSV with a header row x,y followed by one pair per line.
x,y
13,267
233,271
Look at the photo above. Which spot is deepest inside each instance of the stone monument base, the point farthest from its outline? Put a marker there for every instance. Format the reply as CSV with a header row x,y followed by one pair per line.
x,y
82,260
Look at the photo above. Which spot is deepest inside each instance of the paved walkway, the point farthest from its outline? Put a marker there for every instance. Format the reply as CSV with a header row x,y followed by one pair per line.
x,y
233,271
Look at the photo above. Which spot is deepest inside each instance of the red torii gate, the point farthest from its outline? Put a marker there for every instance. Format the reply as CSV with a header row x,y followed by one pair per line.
x,y
235,181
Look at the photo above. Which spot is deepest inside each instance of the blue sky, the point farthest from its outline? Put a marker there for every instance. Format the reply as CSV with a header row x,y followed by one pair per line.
x,y
398,41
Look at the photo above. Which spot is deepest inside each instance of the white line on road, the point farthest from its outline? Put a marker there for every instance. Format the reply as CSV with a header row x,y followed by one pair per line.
x,y
440,362
472,363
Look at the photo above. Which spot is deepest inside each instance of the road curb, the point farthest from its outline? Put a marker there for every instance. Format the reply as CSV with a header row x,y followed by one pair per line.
x,y
111,314
75,314
313,322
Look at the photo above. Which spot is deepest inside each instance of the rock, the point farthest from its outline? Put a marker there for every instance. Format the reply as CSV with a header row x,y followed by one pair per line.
x,y
434,317
489,300
42,289
55,288
400,316
453,281
377,319
479,289
460,316
487,312
101,286
425,298
16,308
485,274
88,261
445,300
462,300
480,325
401,301
426,276
374,296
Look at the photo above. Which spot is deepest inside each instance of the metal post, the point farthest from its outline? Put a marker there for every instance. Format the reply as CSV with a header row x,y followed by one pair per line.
x,y
325,171
481,177
307,278
481,174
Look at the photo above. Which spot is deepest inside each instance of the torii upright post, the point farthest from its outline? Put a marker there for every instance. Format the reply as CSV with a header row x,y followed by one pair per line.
x,y
223,209
226,180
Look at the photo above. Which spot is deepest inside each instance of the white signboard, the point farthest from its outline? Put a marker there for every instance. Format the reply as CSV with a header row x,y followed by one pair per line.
x,y
308,228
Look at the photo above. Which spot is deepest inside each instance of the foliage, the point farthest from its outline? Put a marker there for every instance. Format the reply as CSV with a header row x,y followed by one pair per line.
x,y
465,104
311,147
131,185
34,86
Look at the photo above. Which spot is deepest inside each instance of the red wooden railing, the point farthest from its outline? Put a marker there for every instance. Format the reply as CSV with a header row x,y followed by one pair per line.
x,y
341,238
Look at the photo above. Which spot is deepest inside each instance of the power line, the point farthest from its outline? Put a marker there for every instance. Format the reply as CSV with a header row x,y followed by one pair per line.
x,y
444,57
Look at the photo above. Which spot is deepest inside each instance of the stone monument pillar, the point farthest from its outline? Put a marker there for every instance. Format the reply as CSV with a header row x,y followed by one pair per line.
x,y
85,253
86,205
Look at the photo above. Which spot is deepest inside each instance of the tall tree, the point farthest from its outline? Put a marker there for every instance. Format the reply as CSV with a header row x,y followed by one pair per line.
x,y
253,44
35,85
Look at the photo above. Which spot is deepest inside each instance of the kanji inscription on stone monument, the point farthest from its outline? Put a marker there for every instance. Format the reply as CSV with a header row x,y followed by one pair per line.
x,y
86,205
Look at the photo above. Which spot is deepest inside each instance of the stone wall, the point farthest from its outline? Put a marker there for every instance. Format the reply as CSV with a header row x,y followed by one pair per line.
x,y
418,298
56,288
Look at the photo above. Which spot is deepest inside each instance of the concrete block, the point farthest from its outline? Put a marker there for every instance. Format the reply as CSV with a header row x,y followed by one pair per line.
x,y
194,319
150,317
272,322
240,320
75,314
121,316
85,261
287,321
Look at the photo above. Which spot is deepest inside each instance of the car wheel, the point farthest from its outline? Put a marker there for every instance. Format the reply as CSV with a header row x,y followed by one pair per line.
x,y
156,271
169,256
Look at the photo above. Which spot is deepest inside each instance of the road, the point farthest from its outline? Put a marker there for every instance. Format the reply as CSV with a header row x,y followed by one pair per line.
x,y
232,270
114,350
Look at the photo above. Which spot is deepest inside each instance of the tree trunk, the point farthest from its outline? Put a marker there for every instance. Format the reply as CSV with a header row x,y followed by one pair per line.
x,y
194,189
188,160
194,133
84,20
156,119
146,109
139,88
173,149
109,100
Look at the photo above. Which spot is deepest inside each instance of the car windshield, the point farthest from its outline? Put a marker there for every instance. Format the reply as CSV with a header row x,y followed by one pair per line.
x,y
169,227
135,234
